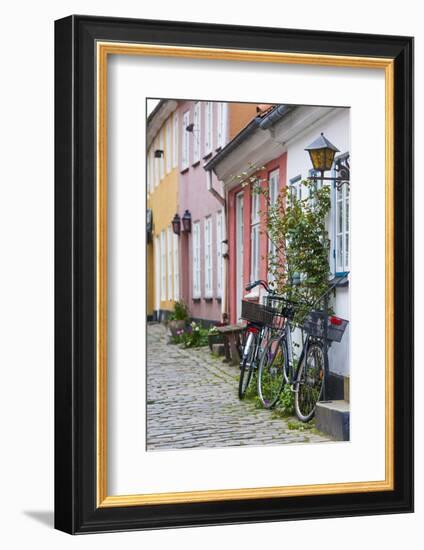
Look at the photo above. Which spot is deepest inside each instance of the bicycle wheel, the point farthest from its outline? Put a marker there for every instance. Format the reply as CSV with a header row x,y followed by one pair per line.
x,y
271,372
309,382
246,367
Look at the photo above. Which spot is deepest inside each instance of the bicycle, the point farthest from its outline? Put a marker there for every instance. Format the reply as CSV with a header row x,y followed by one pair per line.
x,y
259,319
306,378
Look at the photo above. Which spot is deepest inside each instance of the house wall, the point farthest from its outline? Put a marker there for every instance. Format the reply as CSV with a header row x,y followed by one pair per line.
x,y
280,163
195,197
162,198
336,128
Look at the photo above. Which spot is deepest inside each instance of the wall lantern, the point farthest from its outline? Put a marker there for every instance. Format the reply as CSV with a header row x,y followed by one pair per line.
x,y
187,222
322,153
158,153
176,224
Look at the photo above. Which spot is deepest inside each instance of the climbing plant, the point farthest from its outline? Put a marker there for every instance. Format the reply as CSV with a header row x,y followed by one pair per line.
x,y
297,227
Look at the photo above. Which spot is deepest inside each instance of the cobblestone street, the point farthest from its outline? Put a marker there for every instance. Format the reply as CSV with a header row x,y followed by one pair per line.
x,y
192,402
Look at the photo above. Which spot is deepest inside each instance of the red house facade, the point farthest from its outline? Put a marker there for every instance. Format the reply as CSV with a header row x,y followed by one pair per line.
x,y
248,244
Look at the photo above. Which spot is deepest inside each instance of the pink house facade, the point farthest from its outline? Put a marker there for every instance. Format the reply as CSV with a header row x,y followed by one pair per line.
x,y
205,128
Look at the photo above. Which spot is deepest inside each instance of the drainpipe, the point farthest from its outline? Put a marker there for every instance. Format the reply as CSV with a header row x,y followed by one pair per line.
x,y
221,199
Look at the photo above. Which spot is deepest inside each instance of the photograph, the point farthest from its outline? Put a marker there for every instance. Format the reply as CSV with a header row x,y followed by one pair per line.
x,y
248,269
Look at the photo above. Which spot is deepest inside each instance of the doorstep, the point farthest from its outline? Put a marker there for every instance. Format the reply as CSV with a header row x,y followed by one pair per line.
x,y
333,418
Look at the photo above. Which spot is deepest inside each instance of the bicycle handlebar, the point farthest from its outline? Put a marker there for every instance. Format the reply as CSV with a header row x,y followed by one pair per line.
x,y
254,284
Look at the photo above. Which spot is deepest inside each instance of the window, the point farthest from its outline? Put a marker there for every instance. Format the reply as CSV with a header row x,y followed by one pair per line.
x,y
176,268
162,266
170,262
196,260
196,133
149,173
156,162
162,158
221,125
219,259
296,187
208,258
254,238
208,127
274,186
175,140
185,158
342,229
168,156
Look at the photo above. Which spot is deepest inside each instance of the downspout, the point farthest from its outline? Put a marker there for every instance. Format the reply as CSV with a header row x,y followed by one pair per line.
x,y
223,202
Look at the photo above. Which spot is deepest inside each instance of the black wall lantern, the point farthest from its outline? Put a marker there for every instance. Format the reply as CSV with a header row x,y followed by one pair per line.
x,y
187,222
176,224
322,153
158,153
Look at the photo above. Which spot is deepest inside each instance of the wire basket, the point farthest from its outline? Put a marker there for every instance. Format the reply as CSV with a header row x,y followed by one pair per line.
x,y
262,314
314,325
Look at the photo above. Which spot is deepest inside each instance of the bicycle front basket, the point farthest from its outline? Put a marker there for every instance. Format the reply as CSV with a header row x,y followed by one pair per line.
x,y
257,313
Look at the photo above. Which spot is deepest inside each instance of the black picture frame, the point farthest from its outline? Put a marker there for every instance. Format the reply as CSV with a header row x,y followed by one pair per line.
x,y
76,509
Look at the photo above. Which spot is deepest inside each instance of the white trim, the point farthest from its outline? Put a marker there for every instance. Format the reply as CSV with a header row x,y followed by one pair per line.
x,y
185,140
196,131
196,260
221,124
162,266
208,127
219,259
169,263
168,153
274,189
162,158
175,140
254,237
176,267
208,258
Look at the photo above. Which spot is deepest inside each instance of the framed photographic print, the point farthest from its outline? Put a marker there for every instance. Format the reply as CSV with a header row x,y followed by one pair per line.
x,y
234,274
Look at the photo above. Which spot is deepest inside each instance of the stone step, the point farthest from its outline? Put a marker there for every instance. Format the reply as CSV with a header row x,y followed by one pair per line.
x,y
332,418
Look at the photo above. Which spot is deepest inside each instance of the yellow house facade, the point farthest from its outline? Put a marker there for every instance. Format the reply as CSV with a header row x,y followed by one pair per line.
x,y
163,262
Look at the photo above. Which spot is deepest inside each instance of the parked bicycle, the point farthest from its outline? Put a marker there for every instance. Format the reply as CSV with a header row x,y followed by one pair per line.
x,y
259,329
306,376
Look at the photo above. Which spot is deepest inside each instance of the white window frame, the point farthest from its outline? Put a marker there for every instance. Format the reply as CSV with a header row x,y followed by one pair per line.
x,y
169,263
219,259
296,187
254,236
168,152
208,128
196,261
162,158
175,140
342,229
185,153
208,258
274,189
162,267
221,124
156,162
196,132
176,267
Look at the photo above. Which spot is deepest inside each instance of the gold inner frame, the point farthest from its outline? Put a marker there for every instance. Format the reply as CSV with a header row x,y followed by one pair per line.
x,y
104,49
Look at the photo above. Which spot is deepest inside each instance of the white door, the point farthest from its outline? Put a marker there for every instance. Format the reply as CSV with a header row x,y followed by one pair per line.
x,y
239,252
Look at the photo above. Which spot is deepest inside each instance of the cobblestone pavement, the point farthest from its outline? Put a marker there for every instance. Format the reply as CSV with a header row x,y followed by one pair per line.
x,y
192,402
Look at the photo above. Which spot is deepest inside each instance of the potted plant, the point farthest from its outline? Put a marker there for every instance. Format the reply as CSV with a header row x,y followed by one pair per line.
x,y
178,318
214,337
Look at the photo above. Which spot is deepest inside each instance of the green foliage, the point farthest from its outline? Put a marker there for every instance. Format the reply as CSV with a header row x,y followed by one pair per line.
x,y
285,405
195,336
180,312
297,227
